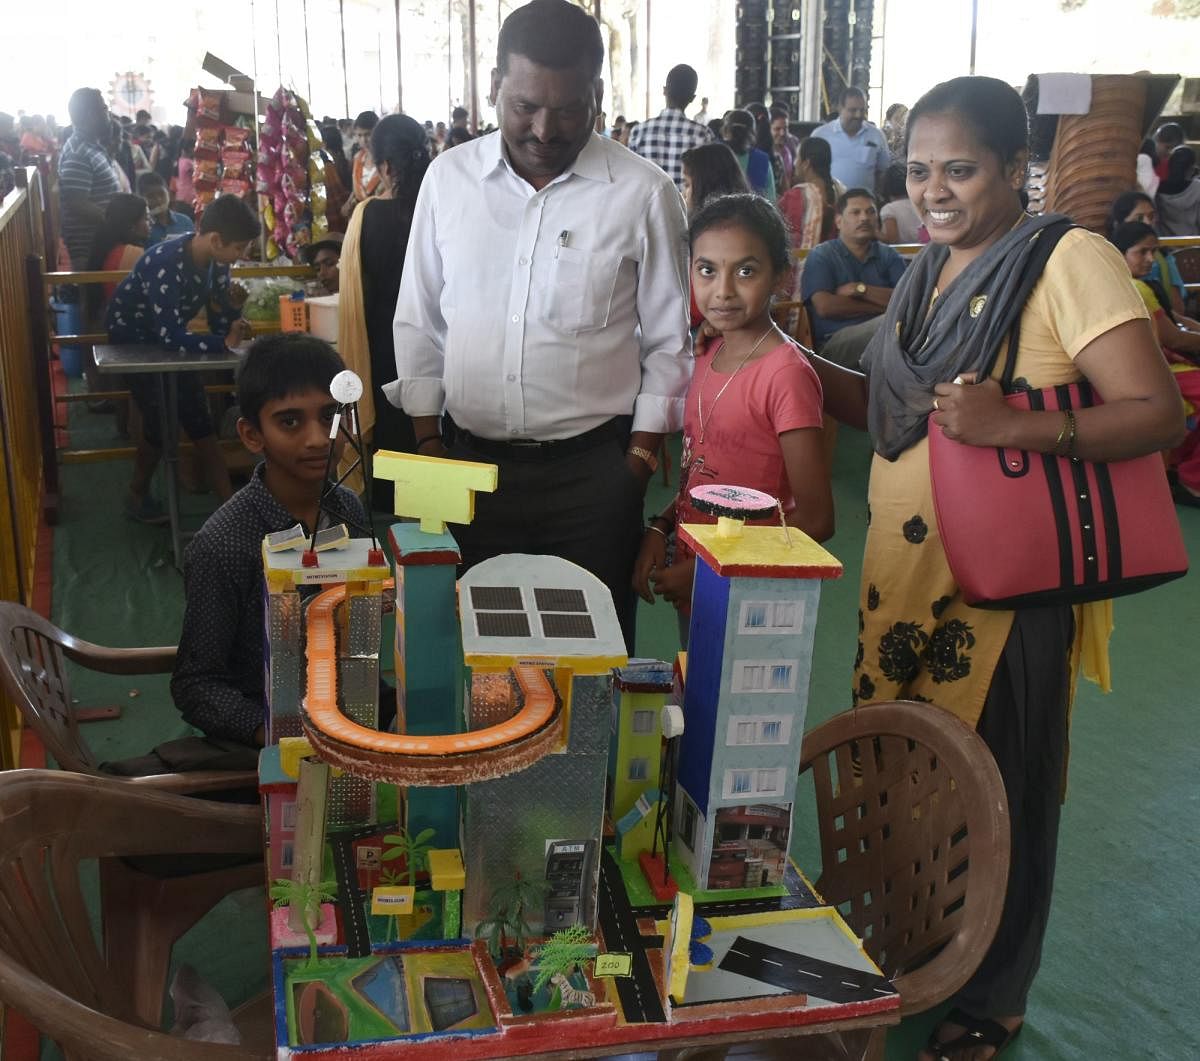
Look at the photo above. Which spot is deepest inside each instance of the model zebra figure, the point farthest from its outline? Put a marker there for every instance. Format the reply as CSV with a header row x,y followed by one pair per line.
x,y
572,996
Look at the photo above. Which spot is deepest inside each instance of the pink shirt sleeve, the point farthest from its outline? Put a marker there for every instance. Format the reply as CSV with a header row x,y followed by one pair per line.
x,y
791,395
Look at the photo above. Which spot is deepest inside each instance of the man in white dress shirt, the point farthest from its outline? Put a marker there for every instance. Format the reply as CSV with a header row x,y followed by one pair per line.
x,y
544,309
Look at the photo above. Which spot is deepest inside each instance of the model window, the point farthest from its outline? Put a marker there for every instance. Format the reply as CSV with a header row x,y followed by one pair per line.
x,y
764,617
772,732
752,677
754,616
768,781
687,832
637,769
741,782
643,722
763,676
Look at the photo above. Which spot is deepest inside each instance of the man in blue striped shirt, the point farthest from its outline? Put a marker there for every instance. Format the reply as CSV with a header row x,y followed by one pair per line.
x,y
86,180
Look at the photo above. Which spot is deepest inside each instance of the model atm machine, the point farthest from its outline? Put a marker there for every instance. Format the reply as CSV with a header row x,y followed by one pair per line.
x,y
568,865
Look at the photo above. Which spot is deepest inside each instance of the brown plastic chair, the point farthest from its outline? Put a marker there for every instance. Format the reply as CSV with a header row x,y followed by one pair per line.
x,y
33,652
51,969
914,834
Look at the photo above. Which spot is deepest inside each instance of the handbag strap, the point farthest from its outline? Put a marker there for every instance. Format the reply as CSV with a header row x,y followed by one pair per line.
x,y
1046,240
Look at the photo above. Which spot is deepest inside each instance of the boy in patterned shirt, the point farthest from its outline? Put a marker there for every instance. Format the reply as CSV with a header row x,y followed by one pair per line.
x,y
153,305
283,395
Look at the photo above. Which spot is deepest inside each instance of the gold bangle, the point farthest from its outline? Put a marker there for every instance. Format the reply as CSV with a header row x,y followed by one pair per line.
x,y
657,530
1069,450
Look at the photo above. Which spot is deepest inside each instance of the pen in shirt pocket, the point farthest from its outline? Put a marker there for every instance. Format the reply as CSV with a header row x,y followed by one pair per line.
x,y
561,242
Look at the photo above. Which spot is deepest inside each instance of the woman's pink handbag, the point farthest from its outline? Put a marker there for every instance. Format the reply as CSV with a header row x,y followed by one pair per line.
x,y
1028,529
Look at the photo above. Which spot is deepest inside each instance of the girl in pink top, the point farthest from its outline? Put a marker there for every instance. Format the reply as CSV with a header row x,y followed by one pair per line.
x,y
753,411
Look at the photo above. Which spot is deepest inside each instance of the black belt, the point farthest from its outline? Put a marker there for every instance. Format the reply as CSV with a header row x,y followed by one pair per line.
x,y
534,450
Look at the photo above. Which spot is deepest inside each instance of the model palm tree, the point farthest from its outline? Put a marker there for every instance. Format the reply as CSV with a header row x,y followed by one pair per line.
x,y
413,849
309,897
508,911
561,953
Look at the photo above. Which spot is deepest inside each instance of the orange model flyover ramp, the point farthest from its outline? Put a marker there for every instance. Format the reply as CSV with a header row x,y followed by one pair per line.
x,y
404,759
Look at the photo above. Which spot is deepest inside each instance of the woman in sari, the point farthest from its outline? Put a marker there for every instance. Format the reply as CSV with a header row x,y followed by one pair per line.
x,y
808,205
1008,674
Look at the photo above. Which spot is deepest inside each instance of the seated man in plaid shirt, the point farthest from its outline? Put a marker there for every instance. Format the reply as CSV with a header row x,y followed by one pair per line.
x,y
664,139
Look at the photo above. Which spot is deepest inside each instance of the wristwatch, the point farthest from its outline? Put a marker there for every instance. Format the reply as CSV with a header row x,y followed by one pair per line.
x,y
860,289
643,454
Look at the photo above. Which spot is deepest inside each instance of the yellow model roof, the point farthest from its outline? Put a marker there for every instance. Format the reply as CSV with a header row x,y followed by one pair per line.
x,y
761,552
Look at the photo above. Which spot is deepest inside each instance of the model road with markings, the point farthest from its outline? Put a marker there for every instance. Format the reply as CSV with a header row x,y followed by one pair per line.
x,y
803,975
638,992
354,914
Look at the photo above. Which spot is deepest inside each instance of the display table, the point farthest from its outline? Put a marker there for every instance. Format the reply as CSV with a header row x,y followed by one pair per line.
x,y
166,366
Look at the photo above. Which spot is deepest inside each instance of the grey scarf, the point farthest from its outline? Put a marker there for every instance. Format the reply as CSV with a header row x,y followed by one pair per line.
x,y
917,347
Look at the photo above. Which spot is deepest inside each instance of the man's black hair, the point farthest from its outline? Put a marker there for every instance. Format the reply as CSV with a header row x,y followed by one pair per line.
x,y
150,181
143,116
459,112
848,91
366,120
84,103
681,84
279,365
853,193
229,218
551,33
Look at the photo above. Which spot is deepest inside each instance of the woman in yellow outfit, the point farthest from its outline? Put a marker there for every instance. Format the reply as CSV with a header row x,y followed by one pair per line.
x,y
1007,673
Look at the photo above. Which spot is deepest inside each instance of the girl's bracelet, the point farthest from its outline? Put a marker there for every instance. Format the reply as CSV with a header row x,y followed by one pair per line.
x,y
428,438
657,530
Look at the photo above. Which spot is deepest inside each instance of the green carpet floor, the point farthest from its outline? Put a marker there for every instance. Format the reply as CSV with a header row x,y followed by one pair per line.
x,y
1123,932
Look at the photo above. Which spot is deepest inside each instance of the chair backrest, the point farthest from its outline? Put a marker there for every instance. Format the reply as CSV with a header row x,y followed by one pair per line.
x,y
51,968
1187,261
792,318
34,671
914,836
33,652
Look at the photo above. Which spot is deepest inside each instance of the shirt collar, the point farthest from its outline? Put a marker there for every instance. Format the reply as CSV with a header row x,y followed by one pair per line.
x,y
275,516
872,251
269,510
590,163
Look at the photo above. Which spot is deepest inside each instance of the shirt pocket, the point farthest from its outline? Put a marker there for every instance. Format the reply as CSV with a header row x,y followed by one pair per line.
x,y
581,289
865,154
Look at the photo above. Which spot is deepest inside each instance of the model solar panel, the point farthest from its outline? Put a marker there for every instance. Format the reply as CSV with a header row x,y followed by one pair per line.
x,y
497,598
560,600
502,624
571,625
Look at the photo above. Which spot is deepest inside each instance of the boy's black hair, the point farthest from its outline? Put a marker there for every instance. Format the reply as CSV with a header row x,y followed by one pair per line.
x,y
229,218
853,193
279,365
366,120
150,180
753,213
551,33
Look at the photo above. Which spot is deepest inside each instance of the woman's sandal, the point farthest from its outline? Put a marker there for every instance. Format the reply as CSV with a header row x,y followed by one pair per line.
x,y
978,1031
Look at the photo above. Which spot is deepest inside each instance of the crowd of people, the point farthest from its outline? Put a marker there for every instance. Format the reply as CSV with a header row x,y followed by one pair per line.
x,y
556,296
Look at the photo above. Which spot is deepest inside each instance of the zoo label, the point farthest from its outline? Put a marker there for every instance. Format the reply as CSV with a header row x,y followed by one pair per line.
x,y
614,964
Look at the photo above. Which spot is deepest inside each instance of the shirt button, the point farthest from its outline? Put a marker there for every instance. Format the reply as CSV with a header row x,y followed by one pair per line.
x,y
516,318
524,261
512,378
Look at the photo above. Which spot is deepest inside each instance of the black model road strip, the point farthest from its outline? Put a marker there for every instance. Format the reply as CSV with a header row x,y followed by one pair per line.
x,y
803,975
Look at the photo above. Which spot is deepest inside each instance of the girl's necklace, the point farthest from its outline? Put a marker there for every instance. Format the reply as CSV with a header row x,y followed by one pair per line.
x,y
708,372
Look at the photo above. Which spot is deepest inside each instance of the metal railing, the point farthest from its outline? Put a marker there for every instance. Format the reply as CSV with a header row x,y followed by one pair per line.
x,y
22,393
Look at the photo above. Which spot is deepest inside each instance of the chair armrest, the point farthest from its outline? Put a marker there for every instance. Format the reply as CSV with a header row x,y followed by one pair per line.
x,y
159,660
199,781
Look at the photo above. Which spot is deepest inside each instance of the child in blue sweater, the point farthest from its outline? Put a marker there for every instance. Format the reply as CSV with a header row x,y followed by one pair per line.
x,y
168,286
